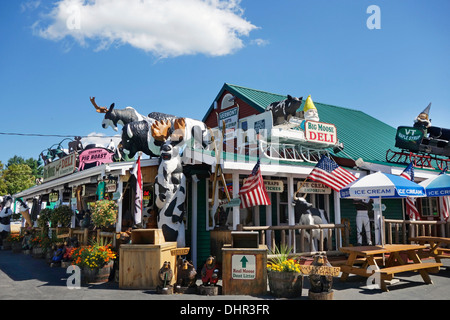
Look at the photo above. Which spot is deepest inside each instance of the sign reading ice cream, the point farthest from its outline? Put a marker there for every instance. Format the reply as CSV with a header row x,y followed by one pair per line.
x,y
320,132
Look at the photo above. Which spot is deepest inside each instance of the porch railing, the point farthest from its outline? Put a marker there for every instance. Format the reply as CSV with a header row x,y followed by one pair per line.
x,y
399,231
331,237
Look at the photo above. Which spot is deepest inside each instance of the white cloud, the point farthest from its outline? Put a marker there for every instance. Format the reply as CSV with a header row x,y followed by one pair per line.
x,y
260,42
100,139
166,28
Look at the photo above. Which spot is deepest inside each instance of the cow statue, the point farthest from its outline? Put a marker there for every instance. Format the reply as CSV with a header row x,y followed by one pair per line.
x,y
306,215
170,182
5,217
136,136
283,109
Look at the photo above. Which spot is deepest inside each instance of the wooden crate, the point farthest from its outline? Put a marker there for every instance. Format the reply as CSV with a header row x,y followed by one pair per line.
x,y
147,236
139,264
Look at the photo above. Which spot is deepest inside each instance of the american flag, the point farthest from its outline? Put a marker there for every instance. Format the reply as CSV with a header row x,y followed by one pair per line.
x,y
411,208
253,192
331,174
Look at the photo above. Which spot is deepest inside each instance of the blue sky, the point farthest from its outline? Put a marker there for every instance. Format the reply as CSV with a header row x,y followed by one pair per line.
x,y
177,62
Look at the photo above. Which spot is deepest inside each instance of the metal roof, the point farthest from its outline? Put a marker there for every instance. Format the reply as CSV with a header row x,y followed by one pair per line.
x,y
363,135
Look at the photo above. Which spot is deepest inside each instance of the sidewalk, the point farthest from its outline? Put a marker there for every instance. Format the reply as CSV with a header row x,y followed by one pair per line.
x,y
25,278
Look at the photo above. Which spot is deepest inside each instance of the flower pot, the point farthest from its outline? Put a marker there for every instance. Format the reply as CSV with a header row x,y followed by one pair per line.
x,y
96,275
16,247
285,284
37,253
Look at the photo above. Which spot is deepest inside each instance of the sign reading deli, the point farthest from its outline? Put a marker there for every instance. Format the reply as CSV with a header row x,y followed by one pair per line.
x,y
320,132
61,167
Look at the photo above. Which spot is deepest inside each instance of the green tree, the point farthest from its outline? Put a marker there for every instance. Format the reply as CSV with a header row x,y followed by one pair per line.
x,y
18,177
36,170
3,188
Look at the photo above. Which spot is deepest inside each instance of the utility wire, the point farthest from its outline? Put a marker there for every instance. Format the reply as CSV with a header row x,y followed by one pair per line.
x,y
52,135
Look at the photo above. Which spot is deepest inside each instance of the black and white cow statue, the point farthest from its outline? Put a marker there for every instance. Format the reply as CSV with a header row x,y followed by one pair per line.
x,y
283,109
5,217
170,193
306,215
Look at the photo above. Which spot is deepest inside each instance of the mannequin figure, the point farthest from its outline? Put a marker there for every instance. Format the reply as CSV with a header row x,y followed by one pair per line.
x,y
363,206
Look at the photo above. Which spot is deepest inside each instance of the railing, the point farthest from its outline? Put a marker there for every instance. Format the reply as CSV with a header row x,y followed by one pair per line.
x,y
297,237
399,231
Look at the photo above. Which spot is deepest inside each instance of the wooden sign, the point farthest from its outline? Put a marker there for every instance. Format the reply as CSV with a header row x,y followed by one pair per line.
x,y
179,251
274,185
60,167
313,187
321,270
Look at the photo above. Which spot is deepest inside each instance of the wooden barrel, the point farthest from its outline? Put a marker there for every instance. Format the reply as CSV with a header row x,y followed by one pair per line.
x,y
285,284
96,275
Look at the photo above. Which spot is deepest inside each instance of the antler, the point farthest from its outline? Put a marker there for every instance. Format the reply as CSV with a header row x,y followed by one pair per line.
x,y
160,130
97,108
179,126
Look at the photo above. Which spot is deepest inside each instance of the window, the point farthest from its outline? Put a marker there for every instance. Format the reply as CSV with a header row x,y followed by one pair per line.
x,y
429,207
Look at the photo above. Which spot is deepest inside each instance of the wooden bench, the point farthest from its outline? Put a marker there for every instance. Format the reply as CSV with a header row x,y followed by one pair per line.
x,y
387,274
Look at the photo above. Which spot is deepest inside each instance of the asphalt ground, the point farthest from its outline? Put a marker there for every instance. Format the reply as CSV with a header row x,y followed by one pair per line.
x,y
23,277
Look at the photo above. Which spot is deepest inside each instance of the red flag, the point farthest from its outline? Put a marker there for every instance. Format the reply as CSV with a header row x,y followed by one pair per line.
x,y
137,176
253,192
331,174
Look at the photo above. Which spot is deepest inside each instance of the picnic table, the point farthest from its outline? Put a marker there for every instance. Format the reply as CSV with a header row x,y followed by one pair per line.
x,y
435,246
396,262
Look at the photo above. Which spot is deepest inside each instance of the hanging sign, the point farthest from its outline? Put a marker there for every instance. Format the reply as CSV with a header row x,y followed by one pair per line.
x,y
94,157
111,187
274,185
59,168
320,132
313,187
231,118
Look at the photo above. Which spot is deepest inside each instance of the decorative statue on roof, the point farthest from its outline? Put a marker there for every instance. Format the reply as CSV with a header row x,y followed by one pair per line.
x,y
422,121
281,110
309,112
5,217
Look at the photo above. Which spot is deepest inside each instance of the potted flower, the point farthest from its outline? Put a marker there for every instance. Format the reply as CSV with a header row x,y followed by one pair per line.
x,y
16,242
284,274
95,262
36,246
104,213
61,216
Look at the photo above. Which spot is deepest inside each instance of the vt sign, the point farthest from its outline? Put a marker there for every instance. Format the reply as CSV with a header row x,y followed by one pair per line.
x,y
243,266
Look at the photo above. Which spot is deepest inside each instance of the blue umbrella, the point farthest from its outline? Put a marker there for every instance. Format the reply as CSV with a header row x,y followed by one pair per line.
x,y
437,186
382,185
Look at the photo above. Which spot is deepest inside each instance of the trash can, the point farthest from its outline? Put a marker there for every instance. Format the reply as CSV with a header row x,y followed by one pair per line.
x,y
244,265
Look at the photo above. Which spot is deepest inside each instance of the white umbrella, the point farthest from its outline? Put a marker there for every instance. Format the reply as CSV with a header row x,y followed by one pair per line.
x,y
382,185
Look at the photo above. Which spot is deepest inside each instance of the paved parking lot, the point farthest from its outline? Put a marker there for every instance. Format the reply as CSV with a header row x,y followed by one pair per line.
x,y
25,278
